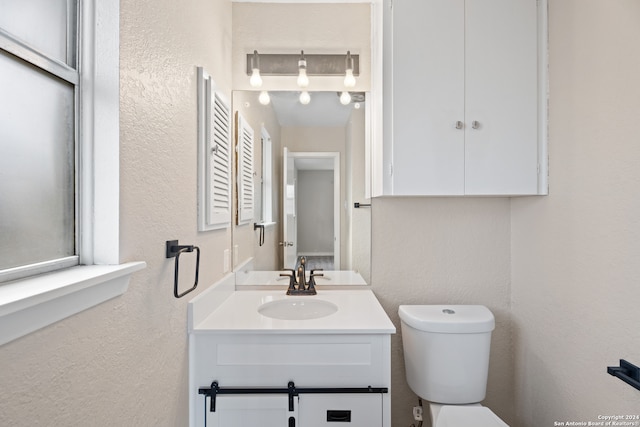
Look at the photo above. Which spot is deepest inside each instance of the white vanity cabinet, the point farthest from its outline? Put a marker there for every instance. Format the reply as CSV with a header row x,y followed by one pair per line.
x,y
246,368
465,98
309,410
331,374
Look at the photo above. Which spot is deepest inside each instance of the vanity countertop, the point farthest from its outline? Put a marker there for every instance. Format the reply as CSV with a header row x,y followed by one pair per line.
x,y
359,312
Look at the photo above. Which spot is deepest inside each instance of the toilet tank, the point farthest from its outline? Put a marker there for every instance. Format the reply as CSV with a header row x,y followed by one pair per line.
x,y
446,351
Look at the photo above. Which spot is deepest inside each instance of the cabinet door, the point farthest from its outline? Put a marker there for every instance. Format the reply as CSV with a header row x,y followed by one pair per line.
x,y
473,62
501,96
252,410
428,97
347,410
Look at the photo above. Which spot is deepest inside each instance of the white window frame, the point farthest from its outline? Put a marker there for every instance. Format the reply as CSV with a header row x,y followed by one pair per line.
x,y
34,302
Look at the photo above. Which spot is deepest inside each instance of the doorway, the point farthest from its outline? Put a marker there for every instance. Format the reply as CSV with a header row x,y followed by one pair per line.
x,y
311,206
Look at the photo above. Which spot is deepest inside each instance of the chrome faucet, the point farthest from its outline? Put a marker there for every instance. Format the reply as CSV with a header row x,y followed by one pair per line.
x,y
303,287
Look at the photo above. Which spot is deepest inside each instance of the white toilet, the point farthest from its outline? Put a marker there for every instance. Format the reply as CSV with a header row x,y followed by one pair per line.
x,y
446,354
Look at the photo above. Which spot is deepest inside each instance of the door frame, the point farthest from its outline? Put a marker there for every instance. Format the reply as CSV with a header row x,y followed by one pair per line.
x,y
334,158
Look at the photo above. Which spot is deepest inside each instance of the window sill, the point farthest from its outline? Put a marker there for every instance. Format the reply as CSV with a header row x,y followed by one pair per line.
x,y
30,304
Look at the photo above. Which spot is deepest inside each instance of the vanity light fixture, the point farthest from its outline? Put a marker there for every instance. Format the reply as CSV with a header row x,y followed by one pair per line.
x,y
301,66
264,98
305,98
303,80
349,79
255,80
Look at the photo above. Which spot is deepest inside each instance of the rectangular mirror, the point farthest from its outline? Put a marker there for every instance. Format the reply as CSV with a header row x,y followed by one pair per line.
x,y
317,176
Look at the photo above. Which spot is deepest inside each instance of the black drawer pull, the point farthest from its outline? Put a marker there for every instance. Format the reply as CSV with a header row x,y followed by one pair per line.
x,y
338,416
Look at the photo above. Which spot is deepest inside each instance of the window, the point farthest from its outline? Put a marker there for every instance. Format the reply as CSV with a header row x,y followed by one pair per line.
x,y
39,89
59,161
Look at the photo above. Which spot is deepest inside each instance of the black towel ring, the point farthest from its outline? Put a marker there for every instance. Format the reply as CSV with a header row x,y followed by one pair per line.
x,y
173,250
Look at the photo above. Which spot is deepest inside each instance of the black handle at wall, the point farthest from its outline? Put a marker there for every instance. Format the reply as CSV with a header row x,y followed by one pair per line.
x,y
627,372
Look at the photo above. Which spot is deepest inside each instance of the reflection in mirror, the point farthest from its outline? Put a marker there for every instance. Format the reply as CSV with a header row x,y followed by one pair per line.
x,y
316,153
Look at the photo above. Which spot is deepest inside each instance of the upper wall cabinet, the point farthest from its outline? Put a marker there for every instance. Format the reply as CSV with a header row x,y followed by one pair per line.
x,y
465,98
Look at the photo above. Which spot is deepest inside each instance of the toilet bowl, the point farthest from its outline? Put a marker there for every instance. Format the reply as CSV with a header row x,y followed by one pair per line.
x,y
446,353
463,415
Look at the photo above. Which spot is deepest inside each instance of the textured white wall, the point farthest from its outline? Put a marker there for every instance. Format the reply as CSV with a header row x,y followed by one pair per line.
x,y
576,252
124,362
445,251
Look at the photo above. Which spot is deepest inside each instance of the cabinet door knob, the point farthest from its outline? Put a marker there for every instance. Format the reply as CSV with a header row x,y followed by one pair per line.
x,y
459,125
475,124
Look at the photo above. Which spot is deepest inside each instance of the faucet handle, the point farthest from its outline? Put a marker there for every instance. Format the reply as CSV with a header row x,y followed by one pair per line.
x,y
292,279
312,278
312,281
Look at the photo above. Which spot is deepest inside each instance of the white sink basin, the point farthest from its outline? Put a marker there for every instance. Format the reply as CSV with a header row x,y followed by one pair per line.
x,y
297,309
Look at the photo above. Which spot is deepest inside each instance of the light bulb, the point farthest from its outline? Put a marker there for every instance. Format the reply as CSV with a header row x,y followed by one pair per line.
x,y
264,98
305,98
349,80
303,80
255,80
345,98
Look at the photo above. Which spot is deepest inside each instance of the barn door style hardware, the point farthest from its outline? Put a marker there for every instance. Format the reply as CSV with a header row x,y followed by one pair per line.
x,y
291,390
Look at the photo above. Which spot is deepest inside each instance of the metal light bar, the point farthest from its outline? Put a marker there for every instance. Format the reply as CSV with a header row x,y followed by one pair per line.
x,y
317,65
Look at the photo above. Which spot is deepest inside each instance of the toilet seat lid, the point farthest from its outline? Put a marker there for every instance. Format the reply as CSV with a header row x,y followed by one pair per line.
x,y
459,416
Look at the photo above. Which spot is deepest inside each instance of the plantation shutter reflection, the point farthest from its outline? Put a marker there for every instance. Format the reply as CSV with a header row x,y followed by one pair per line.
x,y
219,177
245,171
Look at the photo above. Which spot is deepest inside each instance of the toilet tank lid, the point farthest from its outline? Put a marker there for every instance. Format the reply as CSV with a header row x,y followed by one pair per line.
x,y
448,319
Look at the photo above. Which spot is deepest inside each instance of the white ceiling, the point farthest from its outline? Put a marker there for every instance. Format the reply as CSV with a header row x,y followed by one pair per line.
x,y
324,110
